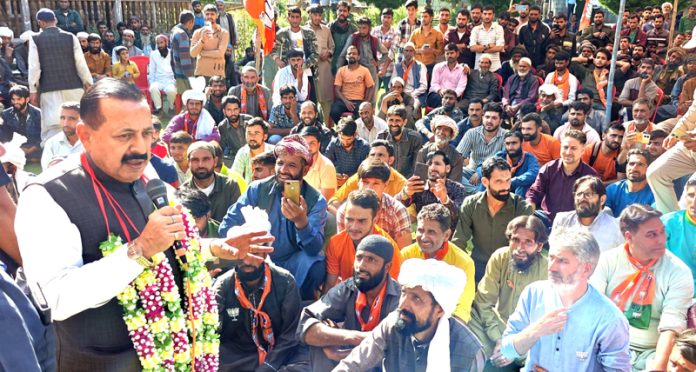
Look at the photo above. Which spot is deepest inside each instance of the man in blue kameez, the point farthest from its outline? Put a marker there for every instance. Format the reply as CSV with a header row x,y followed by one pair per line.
x,y
298,229
680,227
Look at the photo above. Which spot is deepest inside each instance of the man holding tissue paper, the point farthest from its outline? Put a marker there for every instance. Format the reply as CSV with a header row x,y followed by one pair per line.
x,y
565,324
297,227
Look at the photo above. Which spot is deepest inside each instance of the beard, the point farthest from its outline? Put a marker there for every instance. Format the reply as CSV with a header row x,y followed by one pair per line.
x,y
164,52
441,141
411,326
127,43
95,50
351,61
365,285
636,177
515,154
249,276
448,108
69,132
529,137
253,145
501,195
576,123
202,173
522,74
587,210
395,130
523,264
20,107
233,118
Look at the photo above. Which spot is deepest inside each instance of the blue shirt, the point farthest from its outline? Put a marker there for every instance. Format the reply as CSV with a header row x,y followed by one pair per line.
x,y
28,126
594,338
618,196
347,162
681,238
294,250
279,119
524,175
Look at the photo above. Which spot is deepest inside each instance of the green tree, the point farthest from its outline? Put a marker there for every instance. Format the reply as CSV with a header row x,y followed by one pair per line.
x,y
613,5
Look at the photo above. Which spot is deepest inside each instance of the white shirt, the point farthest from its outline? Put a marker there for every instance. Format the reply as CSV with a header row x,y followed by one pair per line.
x,y
604,228
58,145
35,65
297,40
160,69
370,135
68,285
285,76
572,89
495,35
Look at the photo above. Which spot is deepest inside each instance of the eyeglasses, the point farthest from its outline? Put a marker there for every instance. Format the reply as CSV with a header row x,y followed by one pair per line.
x,y
585,195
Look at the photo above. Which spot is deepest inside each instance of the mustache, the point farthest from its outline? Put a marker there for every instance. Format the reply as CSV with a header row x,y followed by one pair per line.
x,y
409,315
129,157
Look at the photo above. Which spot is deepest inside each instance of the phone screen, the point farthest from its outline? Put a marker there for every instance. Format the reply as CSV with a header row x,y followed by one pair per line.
x,y
520,8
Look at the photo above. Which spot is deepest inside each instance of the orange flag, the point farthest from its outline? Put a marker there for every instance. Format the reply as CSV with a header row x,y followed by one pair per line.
x,y
586,16
263,15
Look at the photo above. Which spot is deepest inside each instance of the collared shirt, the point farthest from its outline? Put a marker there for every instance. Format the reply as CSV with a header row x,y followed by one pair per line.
x,y
56,146
494,35
595,119
393,350
454,36
285,76
410,88
553,188
674,289
392,217
444,78
406,29
280,119
594,338
391,37
475,147
455,192
456,257
405,149
456,161
322,174
604,228
498,294
369,135
242,161
434,38
590,133
65,20
295,250
231,138
347,161
475,221
98,64
618,196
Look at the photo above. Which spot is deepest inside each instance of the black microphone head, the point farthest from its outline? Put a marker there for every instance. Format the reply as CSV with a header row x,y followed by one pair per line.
x,y
157,191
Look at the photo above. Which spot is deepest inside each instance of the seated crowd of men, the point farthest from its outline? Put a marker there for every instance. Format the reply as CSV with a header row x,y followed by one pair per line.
x,y
463,200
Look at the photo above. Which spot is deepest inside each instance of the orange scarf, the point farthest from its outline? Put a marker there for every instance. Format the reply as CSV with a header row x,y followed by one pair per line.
x,y
562,83
601,82
407,70
375,310
259,317
263,107
639,288
440,253
513,166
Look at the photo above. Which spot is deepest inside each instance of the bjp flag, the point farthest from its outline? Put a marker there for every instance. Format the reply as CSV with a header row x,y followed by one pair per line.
x,y
263,15
586,18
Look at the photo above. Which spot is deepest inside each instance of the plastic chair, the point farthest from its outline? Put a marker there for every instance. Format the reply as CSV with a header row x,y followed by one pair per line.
x,y
660,95
143,62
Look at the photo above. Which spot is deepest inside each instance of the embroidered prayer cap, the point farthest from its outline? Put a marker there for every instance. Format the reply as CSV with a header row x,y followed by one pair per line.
x,y
378,245
293,145
444,281
128,32
194,95
486,56
119,49
45,15
200,145
445,121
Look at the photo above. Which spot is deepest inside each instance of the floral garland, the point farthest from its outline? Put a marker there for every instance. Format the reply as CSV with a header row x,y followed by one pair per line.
x,y
159,328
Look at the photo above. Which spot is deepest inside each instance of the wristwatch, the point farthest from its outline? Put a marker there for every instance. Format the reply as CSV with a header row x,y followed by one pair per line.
x,y
135,253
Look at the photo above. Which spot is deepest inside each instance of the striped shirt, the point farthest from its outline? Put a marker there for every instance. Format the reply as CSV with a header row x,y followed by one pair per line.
x,y
182,61
494,35
406,29
387,37
345,161
475,147
392,217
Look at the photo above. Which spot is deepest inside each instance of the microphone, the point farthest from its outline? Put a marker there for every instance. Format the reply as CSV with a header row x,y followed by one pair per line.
x,y
157,191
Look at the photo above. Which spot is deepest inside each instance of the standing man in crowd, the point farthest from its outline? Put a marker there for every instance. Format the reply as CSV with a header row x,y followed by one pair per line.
x,y
183,64
428,41
341,30
323,80
208,46
57,71
488,38
68,19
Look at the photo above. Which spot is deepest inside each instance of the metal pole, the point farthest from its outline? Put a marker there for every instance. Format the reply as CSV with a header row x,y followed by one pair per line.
x,y
26,15
612,70
674,20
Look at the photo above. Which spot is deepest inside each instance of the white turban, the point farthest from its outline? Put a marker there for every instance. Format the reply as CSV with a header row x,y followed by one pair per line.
x,y
82,35
26,35
446,283
194,95
487,56
6,32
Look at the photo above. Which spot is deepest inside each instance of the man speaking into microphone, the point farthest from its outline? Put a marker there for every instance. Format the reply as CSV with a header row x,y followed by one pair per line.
x,y
74,207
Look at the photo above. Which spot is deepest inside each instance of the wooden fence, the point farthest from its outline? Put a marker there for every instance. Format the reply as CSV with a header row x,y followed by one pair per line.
x,y
160,15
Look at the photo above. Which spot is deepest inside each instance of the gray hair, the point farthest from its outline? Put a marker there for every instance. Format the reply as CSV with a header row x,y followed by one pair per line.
x,y
578,241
